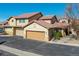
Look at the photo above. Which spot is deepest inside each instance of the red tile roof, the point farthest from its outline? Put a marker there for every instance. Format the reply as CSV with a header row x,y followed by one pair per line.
x,y
5,22
40,22
47,25
46,17
44,24
26,15
8,26
60,25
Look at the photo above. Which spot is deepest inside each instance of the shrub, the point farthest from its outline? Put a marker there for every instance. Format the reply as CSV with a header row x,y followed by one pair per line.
x,y
57,35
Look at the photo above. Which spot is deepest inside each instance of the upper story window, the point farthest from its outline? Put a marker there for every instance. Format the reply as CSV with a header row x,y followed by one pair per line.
x,y
22,21
12,20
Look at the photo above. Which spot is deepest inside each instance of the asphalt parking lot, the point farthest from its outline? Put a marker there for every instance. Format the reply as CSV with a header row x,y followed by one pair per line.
x,y
42,48
4,53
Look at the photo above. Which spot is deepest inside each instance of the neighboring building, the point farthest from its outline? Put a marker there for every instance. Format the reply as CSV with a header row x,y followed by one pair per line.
x,y
65,20
76,26
16,23
76,22
49,19
0,24
1,28
5,23
64,28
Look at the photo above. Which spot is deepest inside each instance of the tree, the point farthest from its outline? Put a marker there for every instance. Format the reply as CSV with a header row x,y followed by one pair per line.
x,y
69,11
72,12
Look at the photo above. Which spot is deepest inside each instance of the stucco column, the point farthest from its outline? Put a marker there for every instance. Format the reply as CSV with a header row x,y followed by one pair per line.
x,y
12,31
47,35
24,33
62,32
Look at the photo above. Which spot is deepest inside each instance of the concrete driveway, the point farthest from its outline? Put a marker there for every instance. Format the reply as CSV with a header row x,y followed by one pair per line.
x,y
41,48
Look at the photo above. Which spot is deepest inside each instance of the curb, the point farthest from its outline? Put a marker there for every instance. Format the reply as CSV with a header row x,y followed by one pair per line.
x,y
68,44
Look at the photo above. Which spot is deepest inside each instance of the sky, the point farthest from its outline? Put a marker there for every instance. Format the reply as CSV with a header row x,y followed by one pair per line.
x,y
14,9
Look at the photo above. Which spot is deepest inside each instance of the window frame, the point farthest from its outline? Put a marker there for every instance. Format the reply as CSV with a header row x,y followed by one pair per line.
x,y
22,21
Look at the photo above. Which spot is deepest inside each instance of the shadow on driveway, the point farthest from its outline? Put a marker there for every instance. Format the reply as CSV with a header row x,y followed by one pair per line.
x,y
41,48
3,53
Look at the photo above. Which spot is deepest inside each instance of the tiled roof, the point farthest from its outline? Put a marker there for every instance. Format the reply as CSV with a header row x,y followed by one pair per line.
x,y
47,25
5,22
60,25
44,24
26,15
8,26
46,17
40,22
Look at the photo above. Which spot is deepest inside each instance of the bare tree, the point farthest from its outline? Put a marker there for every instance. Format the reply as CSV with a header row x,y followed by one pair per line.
x,y
69,11
71,14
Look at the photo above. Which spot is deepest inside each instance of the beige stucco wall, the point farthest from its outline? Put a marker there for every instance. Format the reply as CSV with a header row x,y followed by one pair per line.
x,y
36,27
16,22
63,33
22,24
9,31
19,32
12,23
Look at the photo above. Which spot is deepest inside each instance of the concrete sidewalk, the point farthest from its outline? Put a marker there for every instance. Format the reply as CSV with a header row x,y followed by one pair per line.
x,y
68,44
16,51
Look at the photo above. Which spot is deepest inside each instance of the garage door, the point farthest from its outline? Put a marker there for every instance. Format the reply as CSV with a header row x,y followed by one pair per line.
x,y
9,31
35,35
19,32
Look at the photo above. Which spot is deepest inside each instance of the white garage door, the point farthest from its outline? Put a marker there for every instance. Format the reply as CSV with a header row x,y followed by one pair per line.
x,y
19,32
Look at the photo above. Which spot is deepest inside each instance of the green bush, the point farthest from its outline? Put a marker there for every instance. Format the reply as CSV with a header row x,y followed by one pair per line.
x,y
57,35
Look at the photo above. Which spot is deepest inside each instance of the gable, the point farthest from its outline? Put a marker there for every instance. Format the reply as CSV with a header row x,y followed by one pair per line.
x,y
55,19
36,27
12,21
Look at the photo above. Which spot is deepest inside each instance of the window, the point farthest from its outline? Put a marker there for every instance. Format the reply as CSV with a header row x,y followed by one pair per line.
x,y
22,21
12,20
